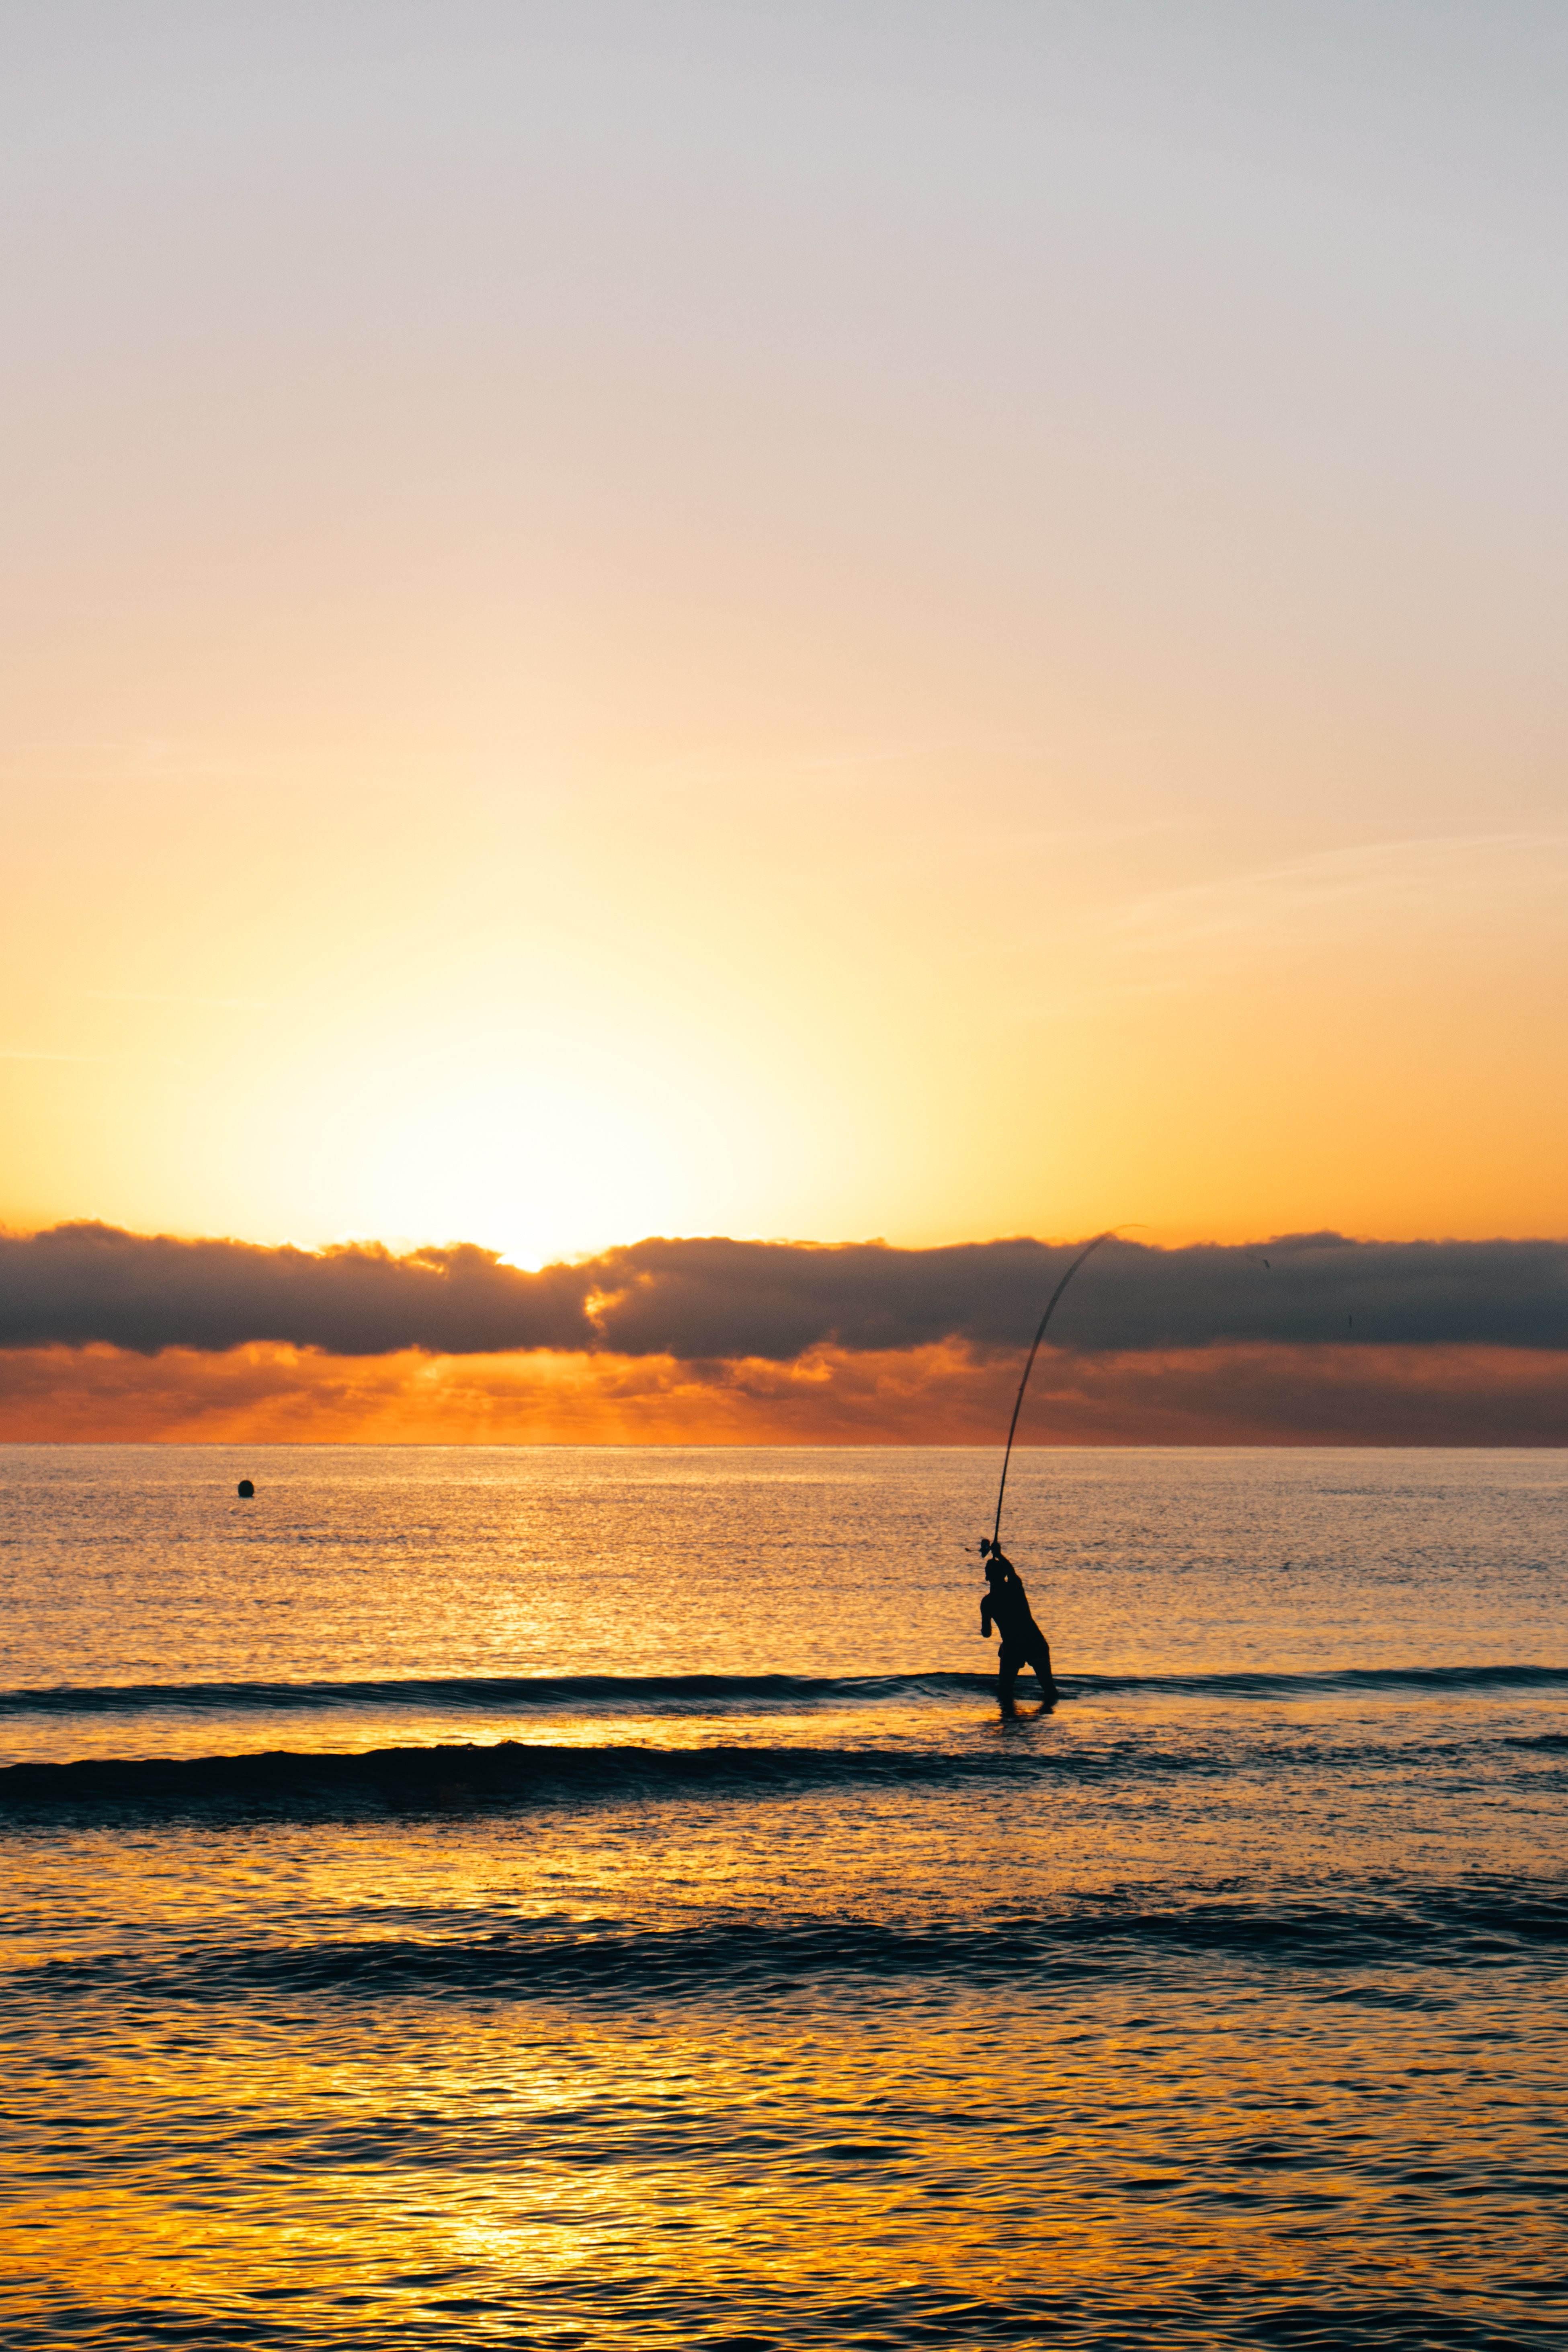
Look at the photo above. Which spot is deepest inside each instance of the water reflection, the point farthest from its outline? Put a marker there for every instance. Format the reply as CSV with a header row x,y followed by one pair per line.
x,y
821,2166
1206,2011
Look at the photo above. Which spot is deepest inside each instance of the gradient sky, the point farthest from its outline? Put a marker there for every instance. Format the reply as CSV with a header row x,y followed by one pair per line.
x,y
828,620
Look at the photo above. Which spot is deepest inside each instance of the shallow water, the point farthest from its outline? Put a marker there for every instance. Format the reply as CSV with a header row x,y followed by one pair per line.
x,y
552,1898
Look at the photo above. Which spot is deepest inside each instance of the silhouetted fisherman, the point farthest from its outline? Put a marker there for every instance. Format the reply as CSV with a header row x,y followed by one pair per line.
x,y
1005,1604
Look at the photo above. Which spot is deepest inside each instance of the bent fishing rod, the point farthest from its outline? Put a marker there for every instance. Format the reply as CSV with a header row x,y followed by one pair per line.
x,y
995,1541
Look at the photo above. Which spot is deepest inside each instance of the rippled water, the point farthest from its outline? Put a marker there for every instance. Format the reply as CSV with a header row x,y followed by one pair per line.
x,y
470,1897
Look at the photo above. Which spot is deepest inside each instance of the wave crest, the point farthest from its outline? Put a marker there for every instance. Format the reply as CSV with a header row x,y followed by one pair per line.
x,y
644,1694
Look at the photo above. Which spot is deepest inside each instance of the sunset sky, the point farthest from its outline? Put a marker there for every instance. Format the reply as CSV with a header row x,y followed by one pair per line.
x,y
816,622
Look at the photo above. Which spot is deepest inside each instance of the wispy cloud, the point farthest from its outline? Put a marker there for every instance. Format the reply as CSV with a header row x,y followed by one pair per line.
x,y
158,996
28,1054
1415,883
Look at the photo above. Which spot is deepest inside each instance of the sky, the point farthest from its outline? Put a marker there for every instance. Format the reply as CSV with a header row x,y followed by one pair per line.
x,y
816,624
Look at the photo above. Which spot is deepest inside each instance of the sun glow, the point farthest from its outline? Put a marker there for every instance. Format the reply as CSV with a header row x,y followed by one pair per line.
x,y
723,778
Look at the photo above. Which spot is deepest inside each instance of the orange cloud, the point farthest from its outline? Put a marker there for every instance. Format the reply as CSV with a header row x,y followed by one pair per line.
x,y
1256,1394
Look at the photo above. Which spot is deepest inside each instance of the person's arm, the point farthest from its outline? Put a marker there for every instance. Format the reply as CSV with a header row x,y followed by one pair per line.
x,y
985,1611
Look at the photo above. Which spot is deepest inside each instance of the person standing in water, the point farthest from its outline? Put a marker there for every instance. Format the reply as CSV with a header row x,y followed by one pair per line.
x,y
1005,1605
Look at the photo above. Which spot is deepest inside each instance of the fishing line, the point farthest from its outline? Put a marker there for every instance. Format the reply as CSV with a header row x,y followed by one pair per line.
x,y
995,1543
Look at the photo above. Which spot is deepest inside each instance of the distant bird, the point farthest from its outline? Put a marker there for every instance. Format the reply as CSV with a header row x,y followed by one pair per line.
x,y
1266,1262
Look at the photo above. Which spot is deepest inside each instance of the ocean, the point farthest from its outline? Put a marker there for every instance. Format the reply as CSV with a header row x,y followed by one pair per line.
x,y
552,1898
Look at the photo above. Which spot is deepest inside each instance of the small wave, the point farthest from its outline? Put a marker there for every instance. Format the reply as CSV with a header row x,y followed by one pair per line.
x,y
1494,1926
283,1784
1325,1684
492,1695
714,1694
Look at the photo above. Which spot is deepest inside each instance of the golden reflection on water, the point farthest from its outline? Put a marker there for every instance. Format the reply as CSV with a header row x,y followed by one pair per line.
x,y
550,2156
1018,2044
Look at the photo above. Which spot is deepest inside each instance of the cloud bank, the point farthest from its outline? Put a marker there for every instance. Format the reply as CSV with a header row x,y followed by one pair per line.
x,y
714,1301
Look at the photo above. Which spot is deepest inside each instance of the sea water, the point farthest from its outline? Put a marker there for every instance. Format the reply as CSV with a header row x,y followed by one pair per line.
x,y
549,1897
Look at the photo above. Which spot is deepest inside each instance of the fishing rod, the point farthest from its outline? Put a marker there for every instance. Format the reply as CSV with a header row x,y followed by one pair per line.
x,y
995,1544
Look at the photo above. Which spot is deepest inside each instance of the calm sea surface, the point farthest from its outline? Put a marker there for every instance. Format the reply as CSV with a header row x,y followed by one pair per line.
x,y
470,1897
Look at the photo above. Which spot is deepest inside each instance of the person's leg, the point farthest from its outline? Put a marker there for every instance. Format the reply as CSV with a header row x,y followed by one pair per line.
x,y
1040,1659
1009,1660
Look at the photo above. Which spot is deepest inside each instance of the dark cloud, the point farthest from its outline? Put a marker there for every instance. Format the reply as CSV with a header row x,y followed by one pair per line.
x,y
721,1300
77,1284
725,1298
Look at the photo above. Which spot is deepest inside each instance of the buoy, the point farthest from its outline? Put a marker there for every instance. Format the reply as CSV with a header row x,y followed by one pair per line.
x,y
245,1490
